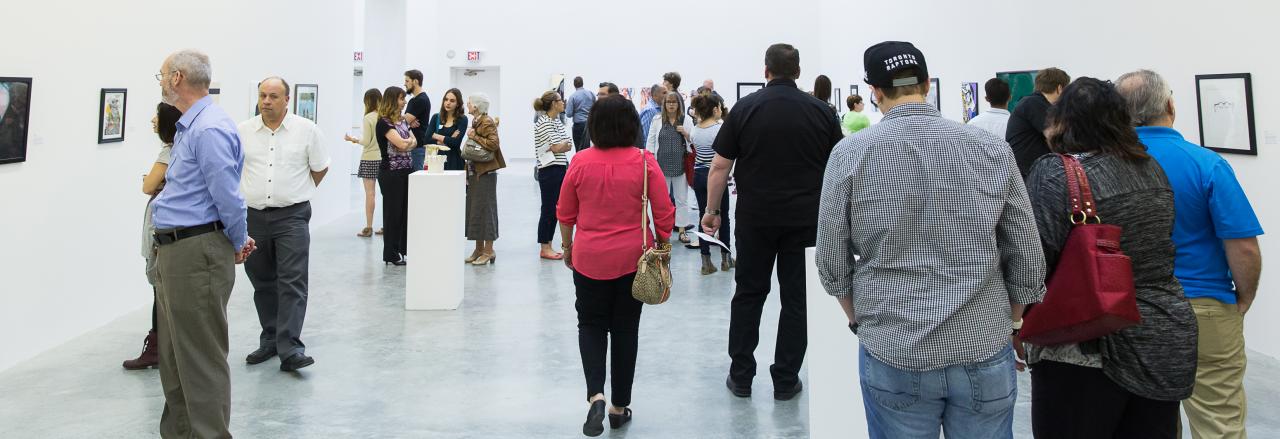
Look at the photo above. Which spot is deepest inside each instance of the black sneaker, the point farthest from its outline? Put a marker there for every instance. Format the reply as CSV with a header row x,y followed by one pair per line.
x,y
787,394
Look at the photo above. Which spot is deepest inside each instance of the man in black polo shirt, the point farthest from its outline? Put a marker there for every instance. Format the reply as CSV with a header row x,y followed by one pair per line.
x,y
1025,133
779,138
416,113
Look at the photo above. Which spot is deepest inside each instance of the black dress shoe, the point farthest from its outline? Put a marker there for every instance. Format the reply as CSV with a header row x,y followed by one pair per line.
x,y
296,361
260,355
595,420
787,394
617,421
739,391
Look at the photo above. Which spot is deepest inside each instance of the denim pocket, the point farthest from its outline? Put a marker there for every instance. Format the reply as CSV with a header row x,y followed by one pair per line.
x,y
994,383
889,386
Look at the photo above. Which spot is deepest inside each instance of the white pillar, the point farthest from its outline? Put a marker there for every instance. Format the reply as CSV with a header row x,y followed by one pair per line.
x,y
835,399
437,209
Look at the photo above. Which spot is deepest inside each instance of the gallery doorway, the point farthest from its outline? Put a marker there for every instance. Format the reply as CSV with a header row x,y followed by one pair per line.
x,y
479,79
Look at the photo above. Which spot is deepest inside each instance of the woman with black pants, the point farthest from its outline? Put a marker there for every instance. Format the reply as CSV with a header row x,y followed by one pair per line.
x,y
709,109
550,142
394,143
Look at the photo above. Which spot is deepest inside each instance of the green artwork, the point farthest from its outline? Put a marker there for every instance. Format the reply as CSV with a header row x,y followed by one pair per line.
x,y
1021,84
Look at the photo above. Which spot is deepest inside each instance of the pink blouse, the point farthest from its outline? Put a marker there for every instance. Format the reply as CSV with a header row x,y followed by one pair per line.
x,y
601,196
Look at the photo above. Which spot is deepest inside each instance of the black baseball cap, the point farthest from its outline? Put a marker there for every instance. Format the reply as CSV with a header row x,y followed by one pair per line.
x,y
881,61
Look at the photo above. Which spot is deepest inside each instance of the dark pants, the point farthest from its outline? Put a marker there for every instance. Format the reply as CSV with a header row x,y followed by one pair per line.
x,y
700,191
395,213
278,272
758,248
580,138
549,180
1069,401
605,307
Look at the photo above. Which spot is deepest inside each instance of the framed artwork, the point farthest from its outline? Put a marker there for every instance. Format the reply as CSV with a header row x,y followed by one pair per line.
x,y
1021,84
934,97
644,96
969,100
871,97
111,105
853,90
626,92
836,99
746,88
1225,102
15,113
305,99
216,94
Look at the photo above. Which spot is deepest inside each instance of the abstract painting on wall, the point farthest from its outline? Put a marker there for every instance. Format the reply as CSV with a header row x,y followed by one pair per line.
x,y
111,106
969,100
15,113
306,101
1225,102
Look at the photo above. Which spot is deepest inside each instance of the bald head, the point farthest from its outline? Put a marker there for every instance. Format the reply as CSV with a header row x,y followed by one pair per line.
x,y
273,100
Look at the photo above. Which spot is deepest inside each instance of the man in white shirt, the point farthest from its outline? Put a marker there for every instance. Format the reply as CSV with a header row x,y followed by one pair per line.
x,y
995,119
284,161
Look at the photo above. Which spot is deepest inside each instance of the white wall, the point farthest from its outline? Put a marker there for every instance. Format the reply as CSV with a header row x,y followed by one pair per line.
x,y
71,228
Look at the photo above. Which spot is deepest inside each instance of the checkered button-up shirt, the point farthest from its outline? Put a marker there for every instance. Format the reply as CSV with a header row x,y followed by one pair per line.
x,y
926,223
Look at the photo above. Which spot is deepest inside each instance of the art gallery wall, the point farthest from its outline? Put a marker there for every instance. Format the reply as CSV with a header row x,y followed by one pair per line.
x,y
71,218
1103,39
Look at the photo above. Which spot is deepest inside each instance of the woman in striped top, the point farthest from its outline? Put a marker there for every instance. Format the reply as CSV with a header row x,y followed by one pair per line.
x,y
550,142
709,109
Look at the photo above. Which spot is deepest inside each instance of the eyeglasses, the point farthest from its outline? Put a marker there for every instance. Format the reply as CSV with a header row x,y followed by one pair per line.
x,y
160,76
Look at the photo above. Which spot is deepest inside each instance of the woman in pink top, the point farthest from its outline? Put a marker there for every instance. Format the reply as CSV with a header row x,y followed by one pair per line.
x,y
601,198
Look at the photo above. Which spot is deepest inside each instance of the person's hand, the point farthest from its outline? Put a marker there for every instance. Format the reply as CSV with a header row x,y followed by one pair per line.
x,y
249,246
1020,353
471,132
568,255
415,123
1244,305
710,224
456,133
348,138
680,130
438,138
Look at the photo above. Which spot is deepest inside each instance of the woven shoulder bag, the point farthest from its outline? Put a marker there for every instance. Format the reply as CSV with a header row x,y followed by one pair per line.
x,y
652,284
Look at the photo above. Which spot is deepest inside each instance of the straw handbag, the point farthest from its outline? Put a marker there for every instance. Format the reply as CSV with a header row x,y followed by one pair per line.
x,y
652,284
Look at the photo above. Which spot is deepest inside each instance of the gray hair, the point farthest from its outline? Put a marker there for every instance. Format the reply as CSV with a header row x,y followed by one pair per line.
x,y
653,90
481,101
1147,95
194,66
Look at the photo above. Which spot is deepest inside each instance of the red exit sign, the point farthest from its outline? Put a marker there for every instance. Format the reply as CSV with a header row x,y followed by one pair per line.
x,y
359,56
473,55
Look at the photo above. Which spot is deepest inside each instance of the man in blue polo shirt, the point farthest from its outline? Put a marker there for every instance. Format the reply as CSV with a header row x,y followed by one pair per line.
x,y
1218,261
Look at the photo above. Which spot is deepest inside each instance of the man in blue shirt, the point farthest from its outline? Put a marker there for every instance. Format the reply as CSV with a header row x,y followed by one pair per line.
x,y
657,95
579,107
1218,260
200,235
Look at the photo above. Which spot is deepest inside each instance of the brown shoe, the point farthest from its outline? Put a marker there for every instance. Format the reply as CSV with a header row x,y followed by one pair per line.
x,y
366,232
150,356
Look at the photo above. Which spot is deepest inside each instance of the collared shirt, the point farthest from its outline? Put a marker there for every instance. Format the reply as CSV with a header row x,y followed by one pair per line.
x,y
202,184
646,115
579,105
547,132
1209,206
994,120
278,164
926,223
780,138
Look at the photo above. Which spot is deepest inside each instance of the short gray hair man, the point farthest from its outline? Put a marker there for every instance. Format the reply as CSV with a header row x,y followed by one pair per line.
x,y
194,66
481,101
1149,97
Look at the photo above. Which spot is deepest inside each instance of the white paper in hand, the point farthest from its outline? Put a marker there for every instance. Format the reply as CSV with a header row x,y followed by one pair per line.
x,y
705,238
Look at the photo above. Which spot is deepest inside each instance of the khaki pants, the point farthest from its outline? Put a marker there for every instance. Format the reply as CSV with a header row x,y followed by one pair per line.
x,y
196,276
1217,408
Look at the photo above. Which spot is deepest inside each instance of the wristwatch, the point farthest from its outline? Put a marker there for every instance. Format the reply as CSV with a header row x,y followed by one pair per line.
x,y
713,212
1017,326
854,327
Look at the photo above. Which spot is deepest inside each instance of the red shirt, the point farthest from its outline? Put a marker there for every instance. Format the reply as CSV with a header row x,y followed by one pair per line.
x,y
601,196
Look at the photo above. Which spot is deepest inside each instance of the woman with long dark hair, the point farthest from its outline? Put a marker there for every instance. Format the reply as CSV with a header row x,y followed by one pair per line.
x,y
446,128
395,140
1128,383
370,158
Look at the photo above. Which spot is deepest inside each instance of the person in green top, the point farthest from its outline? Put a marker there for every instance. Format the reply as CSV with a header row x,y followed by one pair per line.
x,y
854,120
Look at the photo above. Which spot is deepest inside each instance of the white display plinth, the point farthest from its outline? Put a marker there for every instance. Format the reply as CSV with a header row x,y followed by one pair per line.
x,y
437,209
835,398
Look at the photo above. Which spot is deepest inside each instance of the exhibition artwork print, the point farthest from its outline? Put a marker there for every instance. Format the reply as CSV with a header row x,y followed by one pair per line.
x,y
15,111
306,97
111,108
1225,102
969,100
746,88
934,98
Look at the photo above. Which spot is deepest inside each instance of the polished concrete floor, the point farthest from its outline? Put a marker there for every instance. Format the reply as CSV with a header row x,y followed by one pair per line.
x,y
504,365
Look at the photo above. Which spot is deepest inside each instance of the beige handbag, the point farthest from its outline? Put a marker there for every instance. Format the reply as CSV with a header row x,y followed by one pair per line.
x,y
652,284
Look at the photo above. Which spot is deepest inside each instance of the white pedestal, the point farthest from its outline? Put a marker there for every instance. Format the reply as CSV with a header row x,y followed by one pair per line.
x,y
835,398
437,211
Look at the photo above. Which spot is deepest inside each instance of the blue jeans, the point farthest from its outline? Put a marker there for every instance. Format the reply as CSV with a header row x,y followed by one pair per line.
x,y
967,401
419,157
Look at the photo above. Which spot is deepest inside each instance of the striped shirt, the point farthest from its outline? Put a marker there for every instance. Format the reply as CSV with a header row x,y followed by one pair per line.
x,y
926,223
702,139
547,132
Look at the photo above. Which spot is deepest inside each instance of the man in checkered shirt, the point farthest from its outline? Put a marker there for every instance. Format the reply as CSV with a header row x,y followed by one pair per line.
x,y
926,236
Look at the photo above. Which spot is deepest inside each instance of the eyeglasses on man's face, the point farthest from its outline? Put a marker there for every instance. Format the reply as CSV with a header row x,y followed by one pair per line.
x,y
160,76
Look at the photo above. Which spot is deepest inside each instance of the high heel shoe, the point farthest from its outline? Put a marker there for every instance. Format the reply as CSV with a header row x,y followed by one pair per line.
x,y
471,258
617,421
484,260
399,263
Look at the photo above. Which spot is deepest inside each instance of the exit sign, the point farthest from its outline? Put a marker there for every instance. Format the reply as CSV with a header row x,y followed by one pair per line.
x,y
473,55
359,56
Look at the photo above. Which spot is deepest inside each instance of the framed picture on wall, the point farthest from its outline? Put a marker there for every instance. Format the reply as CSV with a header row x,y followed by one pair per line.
x,y
216,95
15,113
746,88
306,101
969,100
111,106
934,98
853,90
1021,83
1225,102
836,99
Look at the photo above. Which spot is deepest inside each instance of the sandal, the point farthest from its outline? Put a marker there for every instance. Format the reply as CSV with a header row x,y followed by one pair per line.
x,y
684,237
366,232
380,231
617,421
551,256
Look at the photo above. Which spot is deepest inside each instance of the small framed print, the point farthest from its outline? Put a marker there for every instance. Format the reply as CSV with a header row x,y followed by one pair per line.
x,y
969,100
15,114
306,100
1225,102
747,88
111,115
935,96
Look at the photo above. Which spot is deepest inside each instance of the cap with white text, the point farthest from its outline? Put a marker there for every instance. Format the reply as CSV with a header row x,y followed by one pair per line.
x,y
883,60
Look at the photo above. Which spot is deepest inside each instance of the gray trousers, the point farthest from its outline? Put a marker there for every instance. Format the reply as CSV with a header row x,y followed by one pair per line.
x,y
196,277
278,272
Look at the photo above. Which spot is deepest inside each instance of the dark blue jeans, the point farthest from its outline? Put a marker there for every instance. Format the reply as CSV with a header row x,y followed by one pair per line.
x,y
549,180
700,191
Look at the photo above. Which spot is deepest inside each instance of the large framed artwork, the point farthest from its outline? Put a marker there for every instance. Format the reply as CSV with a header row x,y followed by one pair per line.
x,y
1021,83
111,105
1225,102
969,100
746,88
15,113
934,98
305,101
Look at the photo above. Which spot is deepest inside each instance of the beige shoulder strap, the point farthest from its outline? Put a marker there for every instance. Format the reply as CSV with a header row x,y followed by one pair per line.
x,y
644,204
